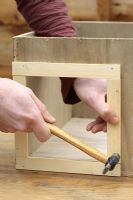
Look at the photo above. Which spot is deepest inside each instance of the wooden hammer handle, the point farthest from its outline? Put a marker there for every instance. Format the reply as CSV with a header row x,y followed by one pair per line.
x,y
77,143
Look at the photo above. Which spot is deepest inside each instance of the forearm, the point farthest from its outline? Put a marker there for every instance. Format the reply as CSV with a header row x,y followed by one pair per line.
x,y
50,18
47,18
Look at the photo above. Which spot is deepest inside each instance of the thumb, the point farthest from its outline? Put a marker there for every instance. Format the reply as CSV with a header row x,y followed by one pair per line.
x,y
43,109
103,109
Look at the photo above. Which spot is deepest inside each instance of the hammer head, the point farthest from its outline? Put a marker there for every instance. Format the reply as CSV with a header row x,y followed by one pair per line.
x,y
111,163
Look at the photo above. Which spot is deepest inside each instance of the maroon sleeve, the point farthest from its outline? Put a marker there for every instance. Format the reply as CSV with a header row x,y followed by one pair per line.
x,y
50,18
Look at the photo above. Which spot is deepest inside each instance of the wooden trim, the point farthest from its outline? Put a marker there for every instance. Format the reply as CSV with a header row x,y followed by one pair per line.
x,y
67,166
114,133
107,71
21,139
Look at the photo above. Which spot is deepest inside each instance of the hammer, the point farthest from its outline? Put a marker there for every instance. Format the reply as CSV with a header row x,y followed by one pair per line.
x,y
110,162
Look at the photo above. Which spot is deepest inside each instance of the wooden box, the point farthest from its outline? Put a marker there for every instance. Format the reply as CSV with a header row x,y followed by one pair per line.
x,y
102,50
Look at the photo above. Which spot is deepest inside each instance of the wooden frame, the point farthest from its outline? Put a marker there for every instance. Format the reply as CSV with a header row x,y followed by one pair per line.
x,y
111,73
28,64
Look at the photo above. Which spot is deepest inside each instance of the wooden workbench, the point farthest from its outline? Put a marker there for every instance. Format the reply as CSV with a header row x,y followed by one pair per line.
x,y
27,185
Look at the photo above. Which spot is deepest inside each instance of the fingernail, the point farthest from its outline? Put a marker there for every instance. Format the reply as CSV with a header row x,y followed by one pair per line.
x,y
88,128
53,119
94,131
44,138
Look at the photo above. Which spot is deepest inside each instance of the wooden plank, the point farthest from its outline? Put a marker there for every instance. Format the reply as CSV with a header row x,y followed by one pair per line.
x,y
69,70
21,144
114,132
65,166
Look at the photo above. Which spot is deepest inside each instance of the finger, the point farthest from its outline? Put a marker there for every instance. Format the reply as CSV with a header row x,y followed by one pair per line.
x,y
11,130
104,110
98,127
6,129
41,129
3,130
97,121
90,125
45,113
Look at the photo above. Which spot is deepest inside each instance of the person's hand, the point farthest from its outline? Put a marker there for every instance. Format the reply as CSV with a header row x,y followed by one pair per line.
x,y
21,110
93,93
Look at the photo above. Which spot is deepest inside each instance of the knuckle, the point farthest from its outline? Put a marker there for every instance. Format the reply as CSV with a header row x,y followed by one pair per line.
x,y
28,122
31,118
22,128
